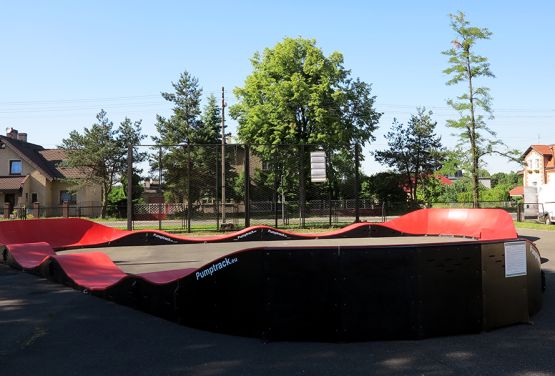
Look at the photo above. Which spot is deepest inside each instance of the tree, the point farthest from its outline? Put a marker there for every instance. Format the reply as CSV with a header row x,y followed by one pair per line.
x,y
465,66
186,99
101,152
189,139
384,187
512,179
296,95
415,151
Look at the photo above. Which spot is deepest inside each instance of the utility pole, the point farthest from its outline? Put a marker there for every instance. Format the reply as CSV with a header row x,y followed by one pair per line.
x,y
223,156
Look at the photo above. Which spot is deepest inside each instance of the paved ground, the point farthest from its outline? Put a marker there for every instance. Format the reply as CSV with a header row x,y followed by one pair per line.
x,y
49,329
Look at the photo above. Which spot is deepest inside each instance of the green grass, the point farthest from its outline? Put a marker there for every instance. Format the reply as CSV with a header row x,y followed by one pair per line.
x,y
535,226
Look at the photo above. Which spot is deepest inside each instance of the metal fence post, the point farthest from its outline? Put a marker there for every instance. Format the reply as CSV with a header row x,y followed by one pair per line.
x,y
160,215
129,187
160,187
275,193
302,188
189,206
328,176
217,192
357,183
247,187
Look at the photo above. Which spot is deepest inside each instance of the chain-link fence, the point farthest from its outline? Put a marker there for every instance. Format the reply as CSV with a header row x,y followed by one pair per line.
x,y
186,188
215,187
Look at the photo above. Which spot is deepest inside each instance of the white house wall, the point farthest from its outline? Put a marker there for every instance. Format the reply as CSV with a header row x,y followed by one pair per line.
x,y
534,169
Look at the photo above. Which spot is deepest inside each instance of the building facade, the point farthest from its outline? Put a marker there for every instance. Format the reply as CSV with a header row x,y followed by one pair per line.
x,y
539,165
29,174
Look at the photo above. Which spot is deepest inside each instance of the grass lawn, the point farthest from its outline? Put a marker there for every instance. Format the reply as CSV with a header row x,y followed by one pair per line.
x,y
536,226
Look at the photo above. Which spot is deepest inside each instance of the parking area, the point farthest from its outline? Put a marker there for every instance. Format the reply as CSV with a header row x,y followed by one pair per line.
x,y
50,329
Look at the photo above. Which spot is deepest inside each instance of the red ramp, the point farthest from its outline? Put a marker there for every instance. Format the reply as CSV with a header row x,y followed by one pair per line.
x,y
60,233
28,256
483,224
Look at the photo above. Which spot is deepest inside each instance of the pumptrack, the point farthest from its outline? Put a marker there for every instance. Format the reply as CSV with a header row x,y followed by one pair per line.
x,y
364,290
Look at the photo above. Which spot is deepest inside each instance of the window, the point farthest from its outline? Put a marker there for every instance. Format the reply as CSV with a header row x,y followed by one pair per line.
x,y
67,196
15,167
34,197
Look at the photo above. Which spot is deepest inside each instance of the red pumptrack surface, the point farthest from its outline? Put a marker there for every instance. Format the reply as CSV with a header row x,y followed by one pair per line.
x,y
92,271
31,243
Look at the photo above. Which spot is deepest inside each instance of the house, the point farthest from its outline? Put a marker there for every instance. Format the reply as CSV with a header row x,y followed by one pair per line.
x,y
539,165
29,174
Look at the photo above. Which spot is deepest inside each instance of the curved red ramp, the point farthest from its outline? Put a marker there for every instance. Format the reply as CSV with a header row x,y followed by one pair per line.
x,y
61,233
58,232
483,224
27,256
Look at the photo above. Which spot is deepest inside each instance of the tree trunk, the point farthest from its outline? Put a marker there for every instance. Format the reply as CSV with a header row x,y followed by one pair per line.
x,y
104,202
473,145
475,181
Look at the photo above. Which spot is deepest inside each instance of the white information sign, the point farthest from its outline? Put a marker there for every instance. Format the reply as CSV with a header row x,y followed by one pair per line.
x,y
515,259
318,166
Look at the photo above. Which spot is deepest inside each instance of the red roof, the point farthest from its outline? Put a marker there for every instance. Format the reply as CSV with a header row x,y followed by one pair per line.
x,y
546,150
543,149
445,180
517,191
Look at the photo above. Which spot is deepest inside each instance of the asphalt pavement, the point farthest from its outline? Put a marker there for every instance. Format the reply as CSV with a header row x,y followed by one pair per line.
x,y
49,329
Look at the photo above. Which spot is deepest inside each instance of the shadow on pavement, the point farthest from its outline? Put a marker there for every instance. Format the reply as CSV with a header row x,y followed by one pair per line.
x,y
61,331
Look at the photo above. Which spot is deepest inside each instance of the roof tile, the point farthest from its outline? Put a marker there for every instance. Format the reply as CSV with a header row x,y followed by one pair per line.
x,y
12,183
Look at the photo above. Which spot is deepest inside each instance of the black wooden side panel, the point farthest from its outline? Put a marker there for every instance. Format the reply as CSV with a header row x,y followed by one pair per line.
x,y
449,290
378,293
227,301
377,231
301,296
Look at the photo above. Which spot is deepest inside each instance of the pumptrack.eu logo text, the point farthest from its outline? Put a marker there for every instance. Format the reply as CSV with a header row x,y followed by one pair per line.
x,y
215,267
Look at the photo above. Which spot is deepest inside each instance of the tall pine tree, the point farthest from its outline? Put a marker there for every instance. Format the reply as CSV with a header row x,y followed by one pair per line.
x,y
189,139
415,151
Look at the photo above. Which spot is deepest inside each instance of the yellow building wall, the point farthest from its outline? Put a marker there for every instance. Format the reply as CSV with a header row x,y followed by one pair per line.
x,y
88,195
48,192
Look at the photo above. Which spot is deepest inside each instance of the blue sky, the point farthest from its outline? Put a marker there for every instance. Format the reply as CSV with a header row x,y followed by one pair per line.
x,y
62,61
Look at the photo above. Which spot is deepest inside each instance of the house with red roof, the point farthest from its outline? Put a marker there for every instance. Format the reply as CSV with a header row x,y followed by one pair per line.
x,y
539,165
30,173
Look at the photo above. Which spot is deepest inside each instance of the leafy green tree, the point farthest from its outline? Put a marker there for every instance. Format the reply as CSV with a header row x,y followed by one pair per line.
x,y
511,178
101,152
415,151
474,105
384,187
297,95
431,191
